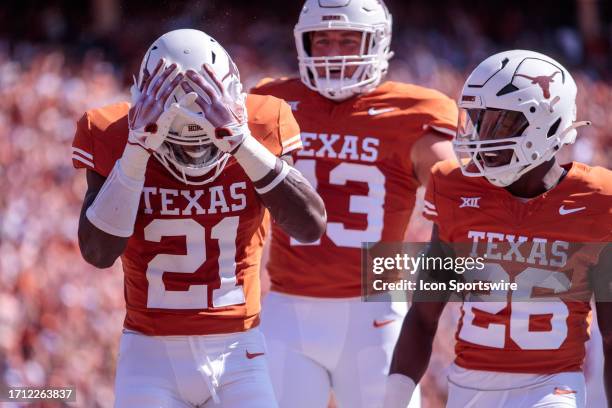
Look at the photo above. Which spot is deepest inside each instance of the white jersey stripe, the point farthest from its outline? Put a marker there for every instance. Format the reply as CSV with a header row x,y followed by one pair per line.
x,y
429,212
292,140
292,147
82,160
83,152
429,205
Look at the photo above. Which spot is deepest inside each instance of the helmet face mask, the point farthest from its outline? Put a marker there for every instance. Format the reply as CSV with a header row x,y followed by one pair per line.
x,y
517,109
195,156
331,75
342,65
489,139
193,174
188,152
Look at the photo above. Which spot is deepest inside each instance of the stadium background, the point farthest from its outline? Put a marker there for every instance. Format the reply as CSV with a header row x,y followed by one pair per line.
x,y
60,319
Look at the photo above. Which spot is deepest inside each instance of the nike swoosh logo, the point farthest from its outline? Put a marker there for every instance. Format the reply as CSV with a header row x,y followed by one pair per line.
x,y
375,112
382,323
251,356
565,211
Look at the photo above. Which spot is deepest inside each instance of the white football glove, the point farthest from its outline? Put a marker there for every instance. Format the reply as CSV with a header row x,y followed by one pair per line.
x,y
222,116
149,122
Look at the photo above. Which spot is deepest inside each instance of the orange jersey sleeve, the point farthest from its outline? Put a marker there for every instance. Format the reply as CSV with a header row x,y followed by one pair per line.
x,y
273,124
100,138
83,145
262,83
442,199
440,113
425,108
430,211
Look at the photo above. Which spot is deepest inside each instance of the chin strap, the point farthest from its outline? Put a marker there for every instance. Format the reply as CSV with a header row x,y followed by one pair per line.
x,y
182,173
574,126
496,180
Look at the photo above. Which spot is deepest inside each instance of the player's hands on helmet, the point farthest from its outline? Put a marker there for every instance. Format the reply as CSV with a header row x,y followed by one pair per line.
x,y
148,121
225,113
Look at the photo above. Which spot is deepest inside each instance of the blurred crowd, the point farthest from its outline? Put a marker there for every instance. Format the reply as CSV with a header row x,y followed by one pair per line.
x,y
60,319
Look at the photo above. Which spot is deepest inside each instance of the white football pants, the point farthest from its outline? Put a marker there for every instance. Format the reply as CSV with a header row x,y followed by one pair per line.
x,y
471,389
224,370
316,345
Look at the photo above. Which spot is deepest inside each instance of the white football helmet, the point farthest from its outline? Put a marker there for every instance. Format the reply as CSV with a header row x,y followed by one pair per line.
x,y
372,19
188,152
517,108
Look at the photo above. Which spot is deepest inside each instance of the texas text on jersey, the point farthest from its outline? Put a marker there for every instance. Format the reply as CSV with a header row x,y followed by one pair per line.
x,y
357,155
192,264
546,242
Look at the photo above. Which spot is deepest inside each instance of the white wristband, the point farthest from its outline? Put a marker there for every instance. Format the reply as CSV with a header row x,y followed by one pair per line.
x,y
115,208
134,161
398,391
255,159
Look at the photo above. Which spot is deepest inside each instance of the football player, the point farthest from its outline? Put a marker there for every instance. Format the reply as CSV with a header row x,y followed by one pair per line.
x,y
178,186
539,224
368,145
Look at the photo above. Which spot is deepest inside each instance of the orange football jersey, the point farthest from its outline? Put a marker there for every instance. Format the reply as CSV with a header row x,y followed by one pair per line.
x,y
546,245
357,155
192,265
